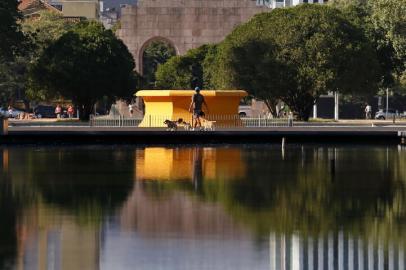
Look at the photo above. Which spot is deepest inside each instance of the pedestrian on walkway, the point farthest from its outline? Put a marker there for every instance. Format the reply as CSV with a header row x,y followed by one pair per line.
x,y
71,111
368,111
197,105
130,109
58,111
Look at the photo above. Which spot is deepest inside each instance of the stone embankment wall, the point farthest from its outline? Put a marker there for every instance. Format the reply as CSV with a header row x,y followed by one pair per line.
x,y
184,24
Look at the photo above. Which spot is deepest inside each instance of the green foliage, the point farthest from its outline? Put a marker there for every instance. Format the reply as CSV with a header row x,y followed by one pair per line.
x,y
314,47
188,71
156,54
45,29
390,17
85,64
250,62
13,77
365,15
11,37
12,46
14,73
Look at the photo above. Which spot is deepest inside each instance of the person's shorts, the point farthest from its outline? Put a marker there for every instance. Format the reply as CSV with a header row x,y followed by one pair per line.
x,y
197,113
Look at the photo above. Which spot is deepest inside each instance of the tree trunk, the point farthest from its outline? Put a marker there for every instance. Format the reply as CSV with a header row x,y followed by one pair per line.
x,y
271,104
85,109
301,104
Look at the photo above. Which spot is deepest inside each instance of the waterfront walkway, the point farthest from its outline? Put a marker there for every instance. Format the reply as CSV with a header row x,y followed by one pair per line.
x,y
310,133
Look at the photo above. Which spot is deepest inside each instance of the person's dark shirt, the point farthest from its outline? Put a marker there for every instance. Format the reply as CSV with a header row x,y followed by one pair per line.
x,y
198,100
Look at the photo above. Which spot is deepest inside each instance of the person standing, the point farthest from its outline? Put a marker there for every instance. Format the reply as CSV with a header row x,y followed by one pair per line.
x,y
10,111
197,105
368,111
71,111
58,111
130,109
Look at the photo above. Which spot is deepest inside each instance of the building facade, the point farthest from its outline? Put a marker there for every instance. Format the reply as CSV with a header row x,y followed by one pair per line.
x,y
287,3
182,24
81,8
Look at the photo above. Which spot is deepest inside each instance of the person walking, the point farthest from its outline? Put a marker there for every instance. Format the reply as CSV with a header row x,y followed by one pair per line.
x,y
197,105
58,111
368,111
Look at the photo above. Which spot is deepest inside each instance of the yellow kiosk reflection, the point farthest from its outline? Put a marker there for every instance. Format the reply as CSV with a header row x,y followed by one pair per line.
x,y
4,163
192,163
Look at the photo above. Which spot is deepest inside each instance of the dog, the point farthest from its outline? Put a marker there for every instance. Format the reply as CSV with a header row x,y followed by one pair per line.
x,y
171,125
184,124
208,125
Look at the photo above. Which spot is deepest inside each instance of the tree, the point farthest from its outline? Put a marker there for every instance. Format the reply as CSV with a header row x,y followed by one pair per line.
x,y
390,16
156,54
39,33
185,72
250,62
85,64
12,46
42,31
12,39
320,48
45,29
389,19
361,13
13,79
384,24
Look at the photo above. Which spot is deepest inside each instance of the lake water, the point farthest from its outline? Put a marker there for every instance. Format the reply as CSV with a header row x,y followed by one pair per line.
x,y
224,207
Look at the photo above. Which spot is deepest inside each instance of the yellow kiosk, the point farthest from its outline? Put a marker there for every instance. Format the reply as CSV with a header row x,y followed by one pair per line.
x,y
161,105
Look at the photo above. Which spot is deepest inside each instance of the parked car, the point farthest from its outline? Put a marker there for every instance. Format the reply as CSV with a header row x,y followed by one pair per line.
x,y
245,111
43,111
383,114
14,113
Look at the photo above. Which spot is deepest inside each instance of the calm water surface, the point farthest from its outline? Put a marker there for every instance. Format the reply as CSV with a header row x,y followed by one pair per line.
x,y
239,207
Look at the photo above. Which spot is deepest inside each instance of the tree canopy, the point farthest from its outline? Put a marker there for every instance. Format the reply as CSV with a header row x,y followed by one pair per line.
x,y
390,16
314,47
187,71
12,39
156,54
12,45
39,33
45,29
250,62
84,65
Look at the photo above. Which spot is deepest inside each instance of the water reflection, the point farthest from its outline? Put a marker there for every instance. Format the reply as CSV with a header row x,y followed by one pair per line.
x,y
53,202
247,207
333,251
163,164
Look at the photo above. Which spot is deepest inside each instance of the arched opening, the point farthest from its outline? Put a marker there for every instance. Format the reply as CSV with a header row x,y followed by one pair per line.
x,y
155,52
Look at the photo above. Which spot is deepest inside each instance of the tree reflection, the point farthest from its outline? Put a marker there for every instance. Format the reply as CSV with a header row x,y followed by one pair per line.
x,y
312,190
298,194
8,225
11,203
90,182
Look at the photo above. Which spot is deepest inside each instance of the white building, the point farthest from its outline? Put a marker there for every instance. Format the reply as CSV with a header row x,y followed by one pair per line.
x,y
286,3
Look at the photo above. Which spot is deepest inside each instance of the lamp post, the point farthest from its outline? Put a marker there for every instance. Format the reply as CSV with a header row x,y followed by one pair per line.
x,y
336,104
387,103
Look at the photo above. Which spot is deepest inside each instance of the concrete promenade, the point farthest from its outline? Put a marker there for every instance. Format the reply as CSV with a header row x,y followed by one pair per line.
x,y
322,133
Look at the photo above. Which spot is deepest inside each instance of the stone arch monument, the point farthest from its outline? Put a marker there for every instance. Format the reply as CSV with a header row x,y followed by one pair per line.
x,y
139,57
184,24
